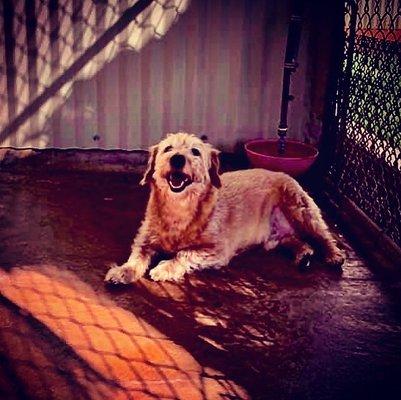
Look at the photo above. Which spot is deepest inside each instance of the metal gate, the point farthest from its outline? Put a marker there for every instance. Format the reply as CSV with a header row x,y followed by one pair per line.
x,y
367,163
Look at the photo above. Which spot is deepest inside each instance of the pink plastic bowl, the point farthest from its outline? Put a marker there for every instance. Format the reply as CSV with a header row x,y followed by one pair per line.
x,y
298,157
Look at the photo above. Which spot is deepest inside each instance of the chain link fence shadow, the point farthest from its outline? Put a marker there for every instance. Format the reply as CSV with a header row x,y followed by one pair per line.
x,y
63,340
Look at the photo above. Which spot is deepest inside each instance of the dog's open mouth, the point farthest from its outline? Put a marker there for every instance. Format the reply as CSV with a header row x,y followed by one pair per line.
x,y
178,181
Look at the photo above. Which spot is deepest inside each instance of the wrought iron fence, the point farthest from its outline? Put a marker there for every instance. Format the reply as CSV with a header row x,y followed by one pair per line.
x,y
367,162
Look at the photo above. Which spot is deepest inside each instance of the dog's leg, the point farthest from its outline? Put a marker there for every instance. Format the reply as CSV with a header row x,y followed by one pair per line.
x,y
132,270
187,261
304,215
137,263
301,252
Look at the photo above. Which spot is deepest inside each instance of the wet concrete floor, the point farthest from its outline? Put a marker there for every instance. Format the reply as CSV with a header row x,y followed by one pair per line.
x,y
258,329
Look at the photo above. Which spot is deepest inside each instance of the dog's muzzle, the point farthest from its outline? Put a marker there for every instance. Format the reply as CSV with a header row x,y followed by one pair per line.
x,y
178,181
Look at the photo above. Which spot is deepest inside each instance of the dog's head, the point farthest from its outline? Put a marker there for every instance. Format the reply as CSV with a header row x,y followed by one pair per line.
x,y
182,164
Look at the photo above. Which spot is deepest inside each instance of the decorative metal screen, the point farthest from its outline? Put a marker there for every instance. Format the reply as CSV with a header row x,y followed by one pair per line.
x,y
367,166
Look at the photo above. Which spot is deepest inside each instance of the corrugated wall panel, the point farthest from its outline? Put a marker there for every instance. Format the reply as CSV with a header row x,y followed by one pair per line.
x,y
218,72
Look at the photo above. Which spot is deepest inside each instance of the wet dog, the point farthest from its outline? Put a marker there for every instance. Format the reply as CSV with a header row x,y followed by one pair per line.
x,y
204,218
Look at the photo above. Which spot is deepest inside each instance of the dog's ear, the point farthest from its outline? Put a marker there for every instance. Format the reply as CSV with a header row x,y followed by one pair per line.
x,y
147,177
214,168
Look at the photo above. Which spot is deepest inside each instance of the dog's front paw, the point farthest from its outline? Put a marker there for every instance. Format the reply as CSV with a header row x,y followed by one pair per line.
x,y
125,273
168,270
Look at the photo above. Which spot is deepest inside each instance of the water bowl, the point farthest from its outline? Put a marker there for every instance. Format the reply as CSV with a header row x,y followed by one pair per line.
x,y
297,159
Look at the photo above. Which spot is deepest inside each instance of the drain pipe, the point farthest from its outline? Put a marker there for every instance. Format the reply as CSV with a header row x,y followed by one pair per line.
x,y
290,66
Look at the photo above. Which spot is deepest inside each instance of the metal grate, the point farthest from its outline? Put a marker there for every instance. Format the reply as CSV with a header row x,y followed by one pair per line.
x,y
367,165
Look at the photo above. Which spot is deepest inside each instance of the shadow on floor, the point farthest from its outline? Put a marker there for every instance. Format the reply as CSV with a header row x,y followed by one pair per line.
x,y
257,329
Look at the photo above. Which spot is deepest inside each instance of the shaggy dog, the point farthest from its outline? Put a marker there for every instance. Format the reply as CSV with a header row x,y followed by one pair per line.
x,y
204,218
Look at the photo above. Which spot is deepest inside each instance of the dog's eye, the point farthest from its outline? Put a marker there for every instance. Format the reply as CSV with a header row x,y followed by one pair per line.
x,y
195,152
168,148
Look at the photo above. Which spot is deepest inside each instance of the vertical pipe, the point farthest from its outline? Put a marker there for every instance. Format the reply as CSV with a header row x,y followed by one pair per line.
x,y
290,66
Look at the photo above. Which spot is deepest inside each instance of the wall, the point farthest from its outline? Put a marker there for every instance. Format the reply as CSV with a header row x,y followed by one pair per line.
x,y
217,71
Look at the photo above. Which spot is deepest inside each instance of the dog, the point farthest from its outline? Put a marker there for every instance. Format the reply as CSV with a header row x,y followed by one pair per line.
x,y
205,218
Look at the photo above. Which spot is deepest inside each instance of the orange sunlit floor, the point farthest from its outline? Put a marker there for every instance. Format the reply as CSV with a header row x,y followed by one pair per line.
x,y
258,329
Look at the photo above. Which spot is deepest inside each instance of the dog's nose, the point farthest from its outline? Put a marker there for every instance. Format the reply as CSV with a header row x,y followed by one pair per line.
x,y
177,161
